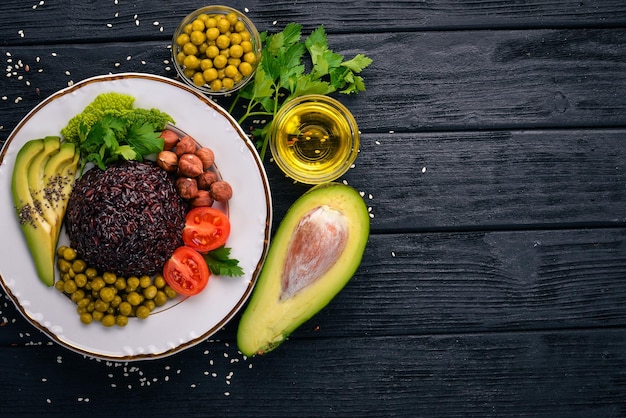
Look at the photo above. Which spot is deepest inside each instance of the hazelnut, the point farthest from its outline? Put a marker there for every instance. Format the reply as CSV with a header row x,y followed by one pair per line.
x,y
189,165
206,156
168,161
170,139
186,145
221,191
203,198
187,187
206,179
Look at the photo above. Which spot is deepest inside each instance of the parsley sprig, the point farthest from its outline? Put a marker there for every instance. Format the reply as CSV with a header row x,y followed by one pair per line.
x,y
282,74
221,264
114,138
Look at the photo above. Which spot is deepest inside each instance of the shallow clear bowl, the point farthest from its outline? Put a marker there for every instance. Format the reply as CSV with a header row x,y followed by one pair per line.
x,y
177,50
314,139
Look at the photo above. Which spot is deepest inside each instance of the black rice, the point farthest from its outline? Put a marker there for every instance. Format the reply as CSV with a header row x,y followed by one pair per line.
x,y
127,219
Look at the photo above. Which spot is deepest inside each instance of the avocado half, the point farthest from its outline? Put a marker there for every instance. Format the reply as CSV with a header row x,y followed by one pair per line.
x,y
316,250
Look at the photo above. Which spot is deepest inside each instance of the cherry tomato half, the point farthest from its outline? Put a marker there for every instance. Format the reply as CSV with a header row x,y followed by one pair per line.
x,y
186,271
205,229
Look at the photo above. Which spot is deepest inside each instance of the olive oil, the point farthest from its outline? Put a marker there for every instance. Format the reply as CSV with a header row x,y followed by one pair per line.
x,y
314,141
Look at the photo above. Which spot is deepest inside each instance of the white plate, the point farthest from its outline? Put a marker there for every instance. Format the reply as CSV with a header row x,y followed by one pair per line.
x,y
191,320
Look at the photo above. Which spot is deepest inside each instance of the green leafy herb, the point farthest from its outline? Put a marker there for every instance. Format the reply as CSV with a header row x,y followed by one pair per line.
x,y
113,138
282,75
221,264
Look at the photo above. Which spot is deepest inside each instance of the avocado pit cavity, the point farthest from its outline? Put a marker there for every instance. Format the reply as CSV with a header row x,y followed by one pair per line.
x,y
316,244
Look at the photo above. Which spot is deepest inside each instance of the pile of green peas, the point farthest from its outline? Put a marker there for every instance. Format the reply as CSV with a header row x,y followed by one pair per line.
x,y
106,297
216,50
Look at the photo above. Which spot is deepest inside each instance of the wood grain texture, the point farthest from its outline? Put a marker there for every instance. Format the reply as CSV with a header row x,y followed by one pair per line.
x,y
539,374
457,283
29,23
450,81
493,163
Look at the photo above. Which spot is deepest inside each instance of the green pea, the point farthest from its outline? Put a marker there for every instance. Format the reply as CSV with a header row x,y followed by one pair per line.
x,y
121,320
79,266
86,318
142,312
108,320
150,292
69,287
134,298
107,294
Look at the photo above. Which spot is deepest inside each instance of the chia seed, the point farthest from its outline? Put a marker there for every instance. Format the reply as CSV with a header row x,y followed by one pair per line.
x,y
127,219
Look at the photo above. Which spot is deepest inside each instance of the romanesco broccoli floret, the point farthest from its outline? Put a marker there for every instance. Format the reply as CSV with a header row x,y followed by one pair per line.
x,y
153,116
105,103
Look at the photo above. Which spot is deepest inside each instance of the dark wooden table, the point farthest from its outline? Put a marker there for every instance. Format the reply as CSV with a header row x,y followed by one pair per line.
x,y
493,159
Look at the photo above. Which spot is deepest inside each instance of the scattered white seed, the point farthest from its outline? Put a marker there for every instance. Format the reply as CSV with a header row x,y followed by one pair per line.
x,y
274,22
226,393
48,400
128,58
109,25
246,9
54,54
137,22
155,23
67,73
392,132
117,64
377,142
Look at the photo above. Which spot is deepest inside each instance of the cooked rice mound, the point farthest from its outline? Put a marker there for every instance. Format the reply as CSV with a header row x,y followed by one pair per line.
x,y
127,219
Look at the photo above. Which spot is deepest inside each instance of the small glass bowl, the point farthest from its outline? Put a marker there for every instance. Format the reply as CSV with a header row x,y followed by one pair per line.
x,y
195,48
314,139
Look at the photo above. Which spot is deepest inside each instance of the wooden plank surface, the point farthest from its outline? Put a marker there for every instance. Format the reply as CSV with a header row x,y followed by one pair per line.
x,y
492,161
539,374
28,23
450,81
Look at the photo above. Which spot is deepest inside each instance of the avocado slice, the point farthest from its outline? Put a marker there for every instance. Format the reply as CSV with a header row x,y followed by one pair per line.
x,y
58,179
39,214
316,250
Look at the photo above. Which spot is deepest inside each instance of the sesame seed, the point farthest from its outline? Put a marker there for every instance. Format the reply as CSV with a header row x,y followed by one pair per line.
x,y
109,25
423,169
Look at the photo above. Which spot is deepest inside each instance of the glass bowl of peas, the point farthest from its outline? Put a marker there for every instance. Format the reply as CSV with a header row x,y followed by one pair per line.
x,y
216,50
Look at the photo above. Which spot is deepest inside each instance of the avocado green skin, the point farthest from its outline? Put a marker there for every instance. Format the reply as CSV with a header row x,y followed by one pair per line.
x,y
41,227
268,318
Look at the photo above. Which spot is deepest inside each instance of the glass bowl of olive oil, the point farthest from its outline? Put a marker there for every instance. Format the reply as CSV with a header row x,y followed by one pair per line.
x,y
314,139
